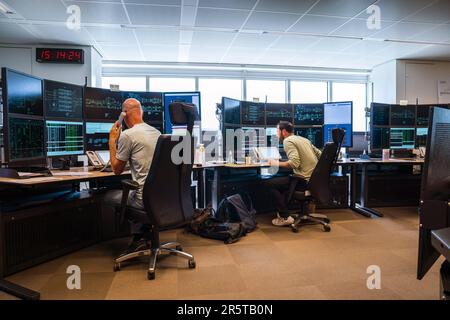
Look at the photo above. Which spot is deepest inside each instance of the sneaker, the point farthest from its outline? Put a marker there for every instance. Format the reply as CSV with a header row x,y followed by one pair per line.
x,y
281,222
135,246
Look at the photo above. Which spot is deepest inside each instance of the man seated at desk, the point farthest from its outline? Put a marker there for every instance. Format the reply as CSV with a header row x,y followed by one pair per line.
x,y
135,145
302,159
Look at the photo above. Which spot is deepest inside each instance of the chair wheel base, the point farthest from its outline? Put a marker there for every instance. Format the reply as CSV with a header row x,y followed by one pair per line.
x,y
116,267
178,248
294,229
151,275
191,264
326,228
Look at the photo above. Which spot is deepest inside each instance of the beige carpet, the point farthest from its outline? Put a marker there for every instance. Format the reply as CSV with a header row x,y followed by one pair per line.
x,y
270,263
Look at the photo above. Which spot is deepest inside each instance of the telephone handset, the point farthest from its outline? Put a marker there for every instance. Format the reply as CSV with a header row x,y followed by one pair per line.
x,y
122,116
95,160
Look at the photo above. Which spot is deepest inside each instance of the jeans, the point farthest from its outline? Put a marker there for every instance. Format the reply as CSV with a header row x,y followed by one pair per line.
x,y
114,198
279,187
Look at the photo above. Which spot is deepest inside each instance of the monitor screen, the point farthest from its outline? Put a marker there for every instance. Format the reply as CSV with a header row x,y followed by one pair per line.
x,y
276,112
380,114
102,104
151,102
380,138
25,139
24,93
231,110
63,100
265,153
188,97
97,135
104,155
64,138
308,114
422,115
421,137
339,115
403,115
252,113
402,138
315,135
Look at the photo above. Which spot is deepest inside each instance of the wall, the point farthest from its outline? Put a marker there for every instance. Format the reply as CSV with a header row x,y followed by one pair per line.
x,y
23,58
383,81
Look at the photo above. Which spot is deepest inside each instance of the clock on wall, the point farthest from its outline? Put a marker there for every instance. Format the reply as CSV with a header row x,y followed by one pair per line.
x,y
54,55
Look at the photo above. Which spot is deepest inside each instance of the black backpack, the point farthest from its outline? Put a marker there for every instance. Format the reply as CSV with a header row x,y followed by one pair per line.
x,y
237,208
205,225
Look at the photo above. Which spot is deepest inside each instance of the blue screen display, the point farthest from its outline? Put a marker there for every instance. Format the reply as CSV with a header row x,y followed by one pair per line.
x,y
188,97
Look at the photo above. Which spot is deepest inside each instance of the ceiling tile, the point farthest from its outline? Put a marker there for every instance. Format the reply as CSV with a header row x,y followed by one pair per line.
x,y
341,8
358,28
293,42
366,47
13,33
439,34
220,18
289,6
212,38
117,35
254,41
230,4
397,9
332,44
152,37
124,52
317,24
154,15
150,2
436,13
431,52
403,30
399,50
62,35
47,10
160,53
270,21
96,12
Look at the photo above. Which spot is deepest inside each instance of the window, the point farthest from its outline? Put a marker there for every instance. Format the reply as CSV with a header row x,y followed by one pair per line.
x,y
355,92
275,90
212,91
172,84
309,92
125,83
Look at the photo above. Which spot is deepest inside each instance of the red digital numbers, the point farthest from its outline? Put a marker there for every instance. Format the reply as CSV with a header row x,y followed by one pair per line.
x,y
59,55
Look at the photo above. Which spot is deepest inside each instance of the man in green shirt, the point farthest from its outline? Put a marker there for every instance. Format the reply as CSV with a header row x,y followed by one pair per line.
x,y
302,159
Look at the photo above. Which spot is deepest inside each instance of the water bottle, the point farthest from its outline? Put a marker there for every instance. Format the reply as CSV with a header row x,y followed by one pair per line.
x,y
230,157
202,154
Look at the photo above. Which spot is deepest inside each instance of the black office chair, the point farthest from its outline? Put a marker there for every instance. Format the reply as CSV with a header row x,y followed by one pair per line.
x,y
166,195
317,188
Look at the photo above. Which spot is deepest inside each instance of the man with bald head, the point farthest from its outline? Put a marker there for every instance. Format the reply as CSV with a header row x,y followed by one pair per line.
x,y
135,145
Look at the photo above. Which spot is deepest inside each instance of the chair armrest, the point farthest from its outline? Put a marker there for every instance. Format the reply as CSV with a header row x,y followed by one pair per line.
x,y
294,179
127,186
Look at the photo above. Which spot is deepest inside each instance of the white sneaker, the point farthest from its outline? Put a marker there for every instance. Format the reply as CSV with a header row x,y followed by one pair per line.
x,y
281,222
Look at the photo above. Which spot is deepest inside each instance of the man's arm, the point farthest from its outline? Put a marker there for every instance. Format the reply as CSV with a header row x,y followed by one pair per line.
x,y
316,151
118,166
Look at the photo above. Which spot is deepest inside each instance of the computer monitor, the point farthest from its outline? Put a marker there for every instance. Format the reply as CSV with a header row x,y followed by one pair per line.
x,y
403,115
339,115
252,113
151,102
421,137
25,140
188,97
380,114
266,153
308,114
314,134
231,111
22,93
102,104
276,112
402,138
271,135
64,138
63,100
380,138
435,188
97,135
422,115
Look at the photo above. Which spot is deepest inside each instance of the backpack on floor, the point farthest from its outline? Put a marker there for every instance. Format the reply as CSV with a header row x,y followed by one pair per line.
x,y
205,225
237,208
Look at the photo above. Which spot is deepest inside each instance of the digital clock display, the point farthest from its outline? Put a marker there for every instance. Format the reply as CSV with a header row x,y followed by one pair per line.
x,y
53,55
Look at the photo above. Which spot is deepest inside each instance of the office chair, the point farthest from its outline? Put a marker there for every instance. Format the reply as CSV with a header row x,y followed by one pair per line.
x,y
166,195
317,187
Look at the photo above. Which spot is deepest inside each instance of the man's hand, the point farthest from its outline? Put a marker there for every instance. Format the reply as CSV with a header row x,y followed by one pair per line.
x,y
114,133
274,163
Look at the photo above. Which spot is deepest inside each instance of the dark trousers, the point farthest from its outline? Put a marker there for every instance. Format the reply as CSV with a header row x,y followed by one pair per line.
x,y
279,187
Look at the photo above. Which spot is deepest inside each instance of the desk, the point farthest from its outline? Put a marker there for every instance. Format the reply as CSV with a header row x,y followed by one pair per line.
x,y
43,185
353,164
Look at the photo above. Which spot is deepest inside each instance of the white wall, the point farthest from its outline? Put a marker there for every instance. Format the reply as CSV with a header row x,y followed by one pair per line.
x,y
23,58
383,80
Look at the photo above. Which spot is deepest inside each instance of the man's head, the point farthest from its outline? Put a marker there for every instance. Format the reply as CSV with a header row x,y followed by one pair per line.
x,y
133,109
284,130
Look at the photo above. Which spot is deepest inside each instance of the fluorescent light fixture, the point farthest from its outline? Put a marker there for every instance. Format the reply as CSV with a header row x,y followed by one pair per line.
x,y
5,9
374,39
